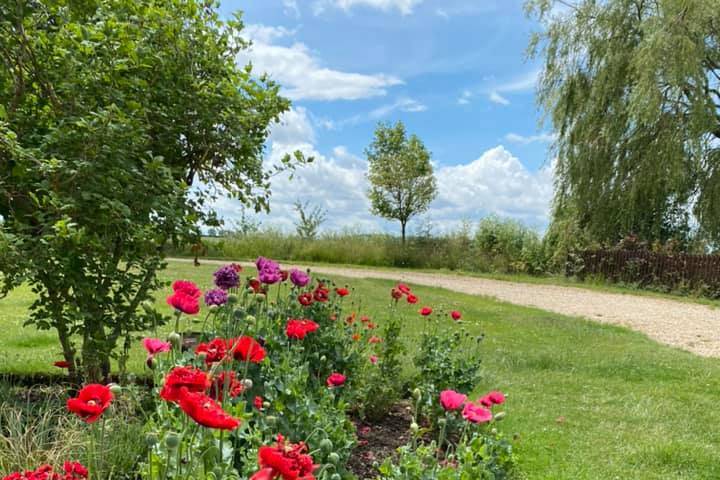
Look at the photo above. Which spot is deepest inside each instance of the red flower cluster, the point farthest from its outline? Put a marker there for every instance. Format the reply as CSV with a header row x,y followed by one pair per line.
x,y
401,289
305,299
298,329
246,349
91,402
71,471
220,382
342,292
189,378
206,411
285,461
185,297
213,351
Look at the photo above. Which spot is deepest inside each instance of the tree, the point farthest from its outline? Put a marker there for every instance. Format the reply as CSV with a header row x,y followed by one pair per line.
x,y
109,112
632,88
309,220
400,175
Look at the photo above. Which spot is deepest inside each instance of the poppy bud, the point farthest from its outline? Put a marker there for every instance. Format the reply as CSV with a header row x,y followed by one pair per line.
x,y
334,458
272,420
259,298
148,306
247,383
151,439
442,422
238,314
417,394
266,404
335,476
172,441
250,291
250,319
232,299
499,415
218,472
323,358
326,445
414,427
115,388
175,339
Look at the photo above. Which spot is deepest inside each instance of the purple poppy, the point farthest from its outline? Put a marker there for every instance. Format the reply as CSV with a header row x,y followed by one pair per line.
x,y
268,271
217,297
227,277
299,278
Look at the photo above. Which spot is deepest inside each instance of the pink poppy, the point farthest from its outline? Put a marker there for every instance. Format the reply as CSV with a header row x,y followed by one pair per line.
x,y
452,400
475,413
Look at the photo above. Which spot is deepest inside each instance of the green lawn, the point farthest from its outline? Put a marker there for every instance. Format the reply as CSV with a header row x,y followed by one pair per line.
x,y
587,401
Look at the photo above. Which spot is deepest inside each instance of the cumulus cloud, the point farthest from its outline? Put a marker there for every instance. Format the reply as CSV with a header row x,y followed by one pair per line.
x,y
405,7
496,182
302,75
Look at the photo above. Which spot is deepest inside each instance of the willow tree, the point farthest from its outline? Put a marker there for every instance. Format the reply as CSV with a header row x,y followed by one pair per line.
x,y
632,90
110,112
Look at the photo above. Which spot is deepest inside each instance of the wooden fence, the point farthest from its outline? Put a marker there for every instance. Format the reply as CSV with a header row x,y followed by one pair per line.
x,y
672,272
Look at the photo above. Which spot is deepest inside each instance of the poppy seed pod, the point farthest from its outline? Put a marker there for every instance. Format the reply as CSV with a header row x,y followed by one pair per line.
x,y
172,441
115,388
334,458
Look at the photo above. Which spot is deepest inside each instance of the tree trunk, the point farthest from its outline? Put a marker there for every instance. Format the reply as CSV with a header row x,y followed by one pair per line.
x,y
402,230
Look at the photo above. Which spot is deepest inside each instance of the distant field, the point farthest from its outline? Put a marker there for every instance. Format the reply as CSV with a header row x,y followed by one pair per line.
x,y
588,401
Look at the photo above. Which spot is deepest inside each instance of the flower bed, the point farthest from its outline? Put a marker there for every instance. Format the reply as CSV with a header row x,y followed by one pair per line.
x,y
285,383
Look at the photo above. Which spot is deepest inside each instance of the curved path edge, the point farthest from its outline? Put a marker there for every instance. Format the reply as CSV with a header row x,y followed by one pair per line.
x,y
692,327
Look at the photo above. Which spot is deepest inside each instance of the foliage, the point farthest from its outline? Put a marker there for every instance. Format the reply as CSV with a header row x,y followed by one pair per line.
x,y
109,112
400,175
631,88
510,246
309,220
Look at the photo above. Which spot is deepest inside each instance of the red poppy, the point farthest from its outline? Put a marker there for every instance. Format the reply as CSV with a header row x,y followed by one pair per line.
x,y
475,413
403,288
191,378
412,299
493,398
187,287
364,319
206,411
456,315
342,292
74,471
351,319
396,294
256,286
91,402
285,461
184,303
305,299
371,326
321,294
425,311
258,402
62,364
336,380
356,337
298,329
247,349
213,351
375,339
284,274
223,381
237,267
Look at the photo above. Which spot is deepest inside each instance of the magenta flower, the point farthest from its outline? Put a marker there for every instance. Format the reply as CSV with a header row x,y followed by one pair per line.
x,y
153,346
493,398
475,413
268,271
452,400
299,278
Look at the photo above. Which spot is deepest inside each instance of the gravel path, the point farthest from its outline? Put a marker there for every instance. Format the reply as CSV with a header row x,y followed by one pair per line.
x,y
692,327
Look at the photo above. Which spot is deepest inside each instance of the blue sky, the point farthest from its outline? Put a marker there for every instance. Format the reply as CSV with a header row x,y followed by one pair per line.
x,y
454,71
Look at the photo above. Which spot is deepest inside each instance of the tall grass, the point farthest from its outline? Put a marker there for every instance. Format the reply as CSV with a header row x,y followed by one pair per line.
x,y
495,246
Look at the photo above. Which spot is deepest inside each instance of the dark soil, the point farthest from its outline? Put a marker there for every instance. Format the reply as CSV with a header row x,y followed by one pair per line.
x,y
379,440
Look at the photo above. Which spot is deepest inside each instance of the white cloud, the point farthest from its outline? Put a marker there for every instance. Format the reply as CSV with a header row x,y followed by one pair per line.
x,y
465,97
526,140
405,7
290,8
301,73
495,97
520,84
496,182
404,104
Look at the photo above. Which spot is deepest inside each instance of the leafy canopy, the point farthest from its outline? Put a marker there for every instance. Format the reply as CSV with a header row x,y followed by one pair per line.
x,y
400,175
110,111
632,90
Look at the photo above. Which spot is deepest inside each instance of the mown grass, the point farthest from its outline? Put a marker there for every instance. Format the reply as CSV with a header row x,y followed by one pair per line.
x,y
587,401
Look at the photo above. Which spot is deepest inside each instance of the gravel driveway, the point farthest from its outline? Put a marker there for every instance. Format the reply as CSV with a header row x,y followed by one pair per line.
x,y
692,327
